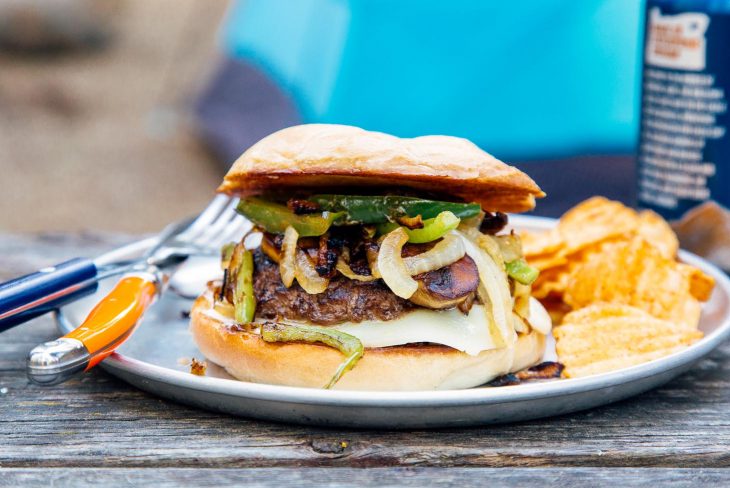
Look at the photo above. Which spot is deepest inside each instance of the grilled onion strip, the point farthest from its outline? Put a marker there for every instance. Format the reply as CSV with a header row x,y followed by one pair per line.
x,y
447,251
307,275
347,271
494,291
287,264
391,266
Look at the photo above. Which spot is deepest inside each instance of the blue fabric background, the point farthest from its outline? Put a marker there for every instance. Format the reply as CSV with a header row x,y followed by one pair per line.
x,y
524,79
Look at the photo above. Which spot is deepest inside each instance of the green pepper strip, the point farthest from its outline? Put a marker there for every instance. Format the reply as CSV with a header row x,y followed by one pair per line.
x,y
520,271
244,301
227,254
275,218
347,344
380,209
432,228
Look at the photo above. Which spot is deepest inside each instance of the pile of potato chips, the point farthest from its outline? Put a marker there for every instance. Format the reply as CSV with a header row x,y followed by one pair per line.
x,y
606,336
614,272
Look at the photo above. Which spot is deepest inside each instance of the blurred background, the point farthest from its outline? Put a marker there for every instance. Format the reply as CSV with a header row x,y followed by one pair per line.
x,y
123,115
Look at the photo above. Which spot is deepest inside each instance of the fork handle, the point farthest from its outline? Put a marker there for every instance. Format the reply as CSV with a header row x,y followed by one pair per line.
x,y
29,296
107,326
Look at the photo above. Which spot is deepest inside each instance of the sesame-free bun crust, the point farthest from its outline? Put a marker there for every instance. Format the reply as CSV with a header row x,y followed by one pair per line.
x,y
247,357
322,157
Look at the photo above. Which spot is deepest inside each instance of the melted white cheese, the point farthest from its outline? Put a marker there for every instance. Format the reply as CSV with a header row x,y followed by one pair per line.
x,y
467,333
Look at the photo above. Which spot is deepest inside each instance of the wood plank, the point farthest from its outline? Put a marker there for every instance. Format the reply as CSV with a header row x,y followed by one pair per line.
x,y
99,422
380,477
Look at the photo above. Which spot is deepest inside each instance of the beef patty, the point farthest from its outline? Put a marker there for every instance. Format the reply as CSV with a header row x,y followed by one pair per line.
x,y
344,300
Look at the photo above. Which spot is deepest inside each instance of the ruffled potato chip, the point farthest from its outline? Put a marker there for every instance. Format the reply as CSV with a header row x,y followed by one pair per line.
x,y
657,231
599,311
594,221
555,271
700,284
551,283
547,261
606,336
634,273
541,243
553,277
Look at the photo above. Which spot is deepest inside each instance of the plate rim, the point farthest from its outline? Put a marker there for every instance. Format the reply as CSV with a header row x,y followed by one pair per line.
x,y
118,362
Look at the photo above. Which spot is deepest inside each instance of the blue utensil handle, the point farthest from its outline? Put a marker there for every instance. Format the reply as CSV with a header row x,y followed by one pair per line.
x,y
29,296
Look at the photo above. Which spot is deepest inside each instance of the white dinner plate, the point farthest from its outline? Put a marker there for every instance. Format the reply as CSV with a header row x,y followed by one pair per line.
x,y
156,359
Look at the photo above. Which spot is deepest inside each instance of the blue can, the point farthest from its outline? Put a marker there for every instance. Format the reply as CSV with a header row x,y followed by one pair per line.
x,y
684,148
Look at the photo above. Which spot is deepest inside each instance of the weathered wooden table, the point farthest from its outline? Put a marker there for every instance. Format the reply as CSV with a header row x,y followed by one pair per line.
x,y
96,430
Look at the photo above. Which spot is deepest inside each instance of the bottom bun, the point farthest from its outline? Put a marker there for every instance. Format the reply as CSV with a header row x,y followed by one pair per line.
x,y
247,357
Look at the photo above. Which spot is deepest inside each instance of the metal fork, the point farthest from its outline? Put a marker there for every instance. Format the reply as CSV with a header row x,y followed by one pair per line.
x,y
116,316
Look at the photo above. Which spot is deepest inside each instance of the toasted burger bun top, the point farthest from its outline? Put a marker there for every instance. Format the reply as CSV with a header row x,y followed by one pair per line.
x,y
324,156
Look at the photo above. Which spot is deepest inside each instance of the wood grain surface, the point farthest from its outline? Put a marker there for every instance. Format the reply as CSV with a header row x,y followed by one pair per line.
x,y
98,428
381,477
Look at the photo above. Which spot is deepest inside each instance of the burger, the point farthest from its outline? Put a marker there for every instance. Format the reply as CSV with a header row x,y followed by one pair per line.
x,y
374,263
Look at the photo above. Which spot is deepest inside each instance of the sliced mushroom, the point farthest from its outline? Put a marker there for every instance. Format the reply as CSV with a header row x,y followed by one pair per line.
x,y
447,287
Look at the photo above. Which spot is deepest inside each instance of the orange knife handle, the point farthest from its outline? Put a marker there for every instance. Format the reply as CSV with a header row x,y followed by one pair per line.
x,y
106,327
113,319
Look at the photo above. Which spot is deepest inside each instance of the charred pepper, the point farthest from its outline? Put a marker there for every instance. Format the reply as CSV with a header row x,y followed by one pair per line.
x,y
275,218
244,301
432,229
522,272
347,344
388,208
